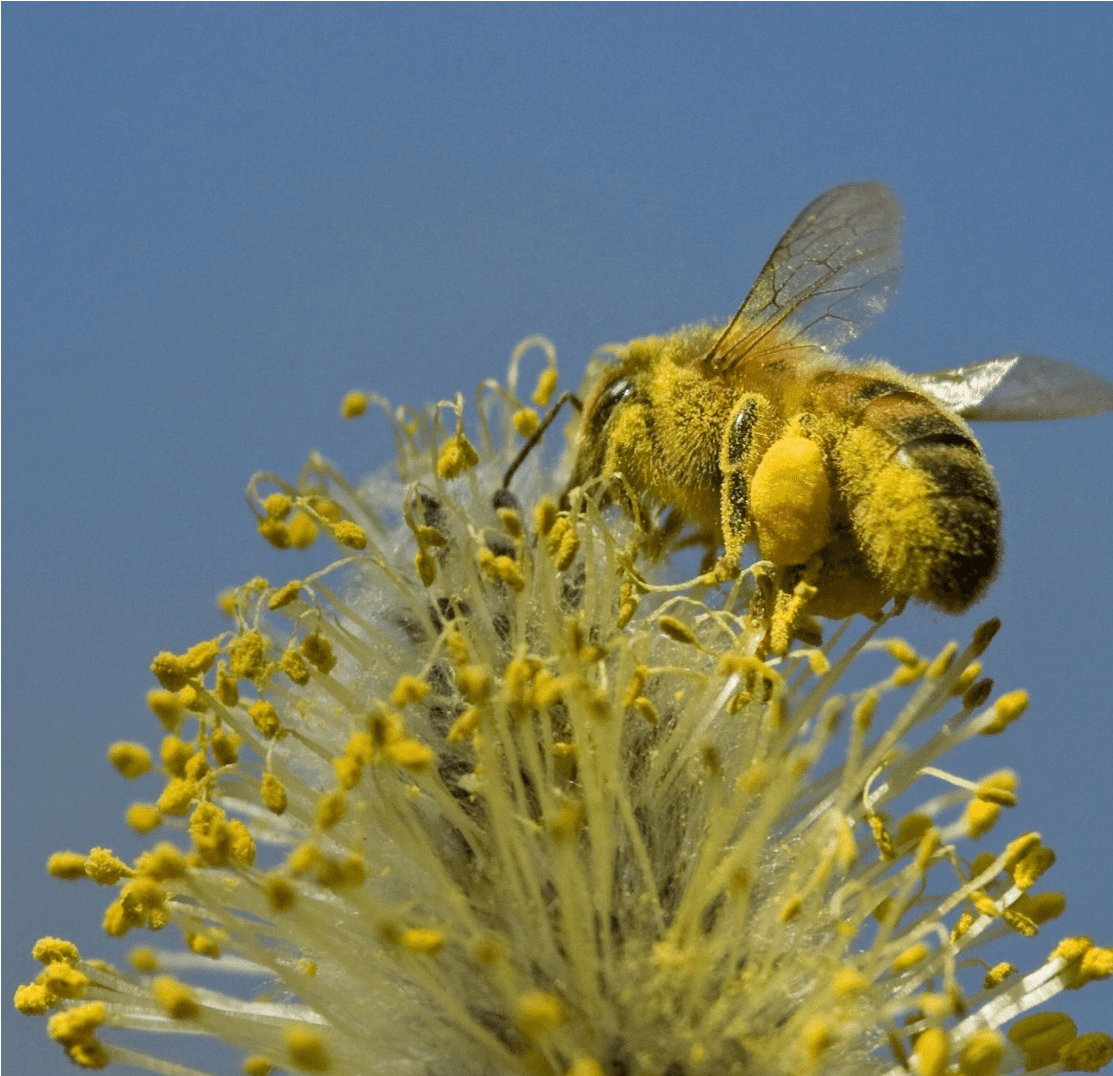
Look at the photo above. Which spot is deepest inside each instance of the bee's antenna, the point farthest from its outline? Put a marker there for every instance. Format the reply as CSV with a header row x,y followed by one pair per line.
x,y
546,422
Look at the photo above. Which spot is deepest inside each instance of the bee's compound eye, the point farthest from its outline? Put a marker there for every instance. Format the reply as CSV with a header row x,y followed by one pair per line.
x,y
617,391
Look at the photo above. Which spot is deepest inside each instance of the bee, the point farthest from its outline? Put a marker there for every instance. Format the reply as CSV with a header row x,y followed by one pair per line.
x,y
858,483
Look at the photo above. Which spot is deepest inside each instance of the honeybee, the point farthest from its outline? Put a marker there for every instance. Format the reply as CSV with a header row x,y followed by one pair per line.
x,y
858,483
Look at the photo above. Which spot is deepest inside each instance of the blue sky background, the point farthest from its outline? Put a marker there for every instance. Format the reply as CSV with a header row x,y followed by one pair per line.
x,y
220,218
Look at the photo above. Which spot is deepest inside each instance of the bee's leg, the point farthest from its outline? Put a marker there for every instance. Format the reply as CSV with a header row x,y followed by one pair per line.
x,y
736,462
790,620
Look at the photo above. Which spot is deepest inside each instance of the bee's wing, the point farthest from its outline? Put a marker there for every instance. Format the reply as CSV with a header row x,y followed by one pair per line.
x,y
1019,388
830,275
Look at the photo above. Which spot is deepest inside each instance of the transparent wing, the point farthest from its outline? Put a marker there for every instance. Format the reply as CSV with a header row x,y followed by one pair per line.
x,y
830,275
1019,388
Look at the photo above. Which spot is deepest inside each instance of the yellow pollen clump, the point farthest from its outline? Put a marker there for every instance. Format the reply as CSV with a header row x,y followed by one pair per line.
x,y
912,956
225,747
50,950
307,1051
474,682
981,1054
170,670
349,534
104,868
1041,1036
277,506
422,940
411,754
677,630
526,421
1088,1053
68,866
301,531
274,793
76,1025
464,725
257,1065
998,974
932,1050
175,754
980,818
539,1012
247,655
545,515
456,456
130,759
354,404
1006,710
278,534
63,980
292,664
163,862
317,650
1027,871
143,817
176,796
408,689
280,894
284,595
166,706
265,717
330,809
546,386
175,997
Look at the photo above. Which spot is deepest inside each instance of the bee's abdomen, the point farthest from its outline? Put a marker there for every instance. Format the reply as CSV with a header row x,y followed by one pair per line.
x,y
923,503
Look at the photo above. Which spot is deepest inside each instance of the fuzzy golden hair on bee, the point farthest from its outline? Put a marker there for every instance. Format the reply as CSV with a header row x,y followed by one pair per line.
x,y
859,484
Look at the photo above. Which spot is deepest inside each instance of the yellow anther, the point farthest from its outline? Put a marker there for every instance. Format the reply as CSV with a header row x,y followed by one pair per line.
x,y
227,690
1005,711
284,595
546,386
422,940
539,1012
354,404
144,817
900,651
411,755
241,843
50,950
908,674
273,793
78,1024
456,456
526,421
301,530
646,710
349,534
265,718
225,747
848,983
33,999
166,706
966,678
326,508
790,909
567,820
170,670
932,1051
1042,1035
511,522
104,868
1088,1053
176,796
408,689
425,564
911,829
175,997
474,682
203,945
982,1053
317,650
678,630
281,894
277,506
63,980
545,515
464,725
978,695
256,1065
330,809
175,753
816,1037
68,866
911,956
999,787
307,1051
247,655
164,862
275,532
941,662
998,974
980,817
1027,871
294,666
1041,907
348,771
197,767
